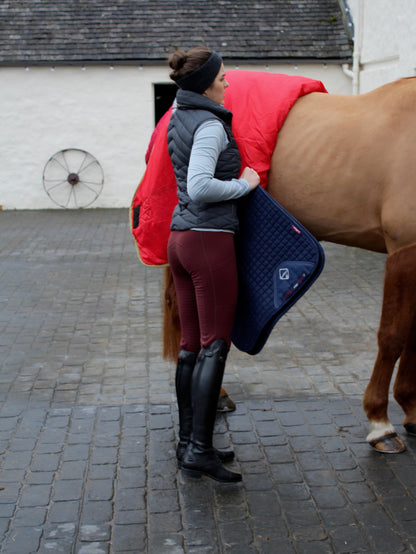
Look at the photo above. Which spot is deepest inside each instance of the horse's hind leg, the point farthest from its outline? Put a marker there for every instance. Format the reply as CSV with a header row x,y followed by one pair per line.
x,y
405,384
394,330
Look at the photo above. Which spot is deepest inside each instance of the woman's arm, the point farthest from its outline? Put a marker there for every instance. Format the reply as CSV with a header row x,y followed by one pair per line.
x,y
210,140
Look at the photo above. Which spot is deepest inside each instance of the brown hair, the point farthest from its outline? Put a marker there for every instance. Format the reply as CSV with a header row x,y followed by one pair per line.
x,y
183,62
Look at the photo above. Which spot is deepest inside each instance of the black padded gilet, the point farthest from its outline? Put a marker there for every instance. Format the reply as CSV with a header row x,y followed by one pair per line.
x,y
191,111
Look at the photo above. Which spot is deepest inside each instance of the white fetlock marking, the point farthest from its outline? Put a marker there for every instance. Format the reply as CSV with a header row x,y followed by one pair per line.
x,y
378,430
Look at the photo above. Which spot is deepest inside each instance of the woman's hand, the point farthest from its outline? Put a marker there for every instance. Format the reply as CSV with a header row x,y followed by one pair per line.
x,y
251,176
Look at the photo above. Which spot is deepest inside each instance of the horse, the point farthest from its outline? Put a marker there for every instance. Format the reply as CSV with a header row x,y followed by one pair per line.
x,y
345,167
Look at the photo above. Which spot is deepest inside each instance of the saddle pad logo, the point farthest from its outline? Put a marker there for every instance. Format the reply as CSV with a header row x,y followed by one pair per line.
x,y
288,279
284,274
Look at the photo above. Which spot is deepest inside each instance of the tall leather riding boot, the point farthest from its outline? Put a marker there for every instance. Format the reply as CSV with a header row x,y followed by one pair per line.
x,y
200,457
183,385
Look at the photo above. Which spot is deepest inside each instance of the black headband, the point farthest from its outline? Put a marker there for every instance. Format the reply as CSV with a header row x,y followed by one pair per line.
x,y
200,79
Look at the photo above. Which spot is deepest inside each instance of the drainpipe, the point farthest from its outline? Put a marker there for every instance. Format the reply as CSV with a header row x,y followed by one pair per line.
x,y
357,49
354,73
346,69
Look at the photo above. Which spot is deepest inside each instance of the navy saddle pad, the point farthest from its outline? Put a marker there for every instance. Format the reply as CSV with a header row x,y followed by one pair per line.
x,y
278,260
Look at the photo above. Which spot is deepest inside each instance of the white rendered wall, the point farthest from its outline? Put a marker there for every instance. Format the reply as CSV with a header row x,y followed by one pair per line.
x,y
387,41
107,112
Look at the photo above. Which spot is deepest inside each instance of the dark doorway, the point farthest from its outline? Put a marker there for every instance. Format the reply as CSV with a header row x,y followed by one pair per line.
x,y
164,97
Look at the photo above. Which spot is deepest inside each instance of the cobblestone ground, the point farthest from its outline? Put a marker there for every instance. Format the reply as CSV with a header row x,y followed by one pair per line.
x,y
88,417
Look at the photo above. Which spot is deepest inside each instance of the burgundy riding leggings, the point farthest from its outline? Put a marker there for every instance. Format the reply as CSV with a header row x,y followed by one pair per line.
x,y
204,272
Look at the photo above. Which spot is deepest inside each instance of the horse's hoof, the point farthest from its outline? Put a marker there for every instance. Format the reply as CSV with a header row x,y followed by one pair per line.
x,y
225,404
410,428
389,444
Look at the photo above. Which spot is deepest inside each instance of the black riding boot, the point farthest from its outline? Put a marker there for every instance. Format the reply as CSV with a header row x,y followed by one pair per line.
x,y
200,457
183,381
183,384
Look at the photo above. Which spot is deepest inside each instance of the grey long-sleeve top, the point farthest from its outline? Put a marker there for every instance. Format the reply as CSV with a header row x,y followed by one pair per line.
x,y
210,139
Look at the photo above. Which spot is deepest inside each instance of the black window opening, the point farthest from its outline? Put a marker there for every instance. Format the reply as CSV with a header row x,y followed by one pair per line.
x,y
164,97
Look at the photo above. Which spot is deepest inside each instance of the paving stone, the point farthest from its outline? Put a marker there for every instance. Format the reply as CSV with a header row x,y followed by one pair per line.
x,y
12,476
45,462
280,454
22,445
286,473
104,455
308,534
300,512
7,510
349,538
201,539
237,533
402,507
312,461
63,512
72,470
199,517
248,453
294,491
164,501
19,538
167,542
328,497
128,538
9,493
130,499
27,517
94,533
68,489
131,478
102,471
41,478
60,531
35,495
257,482
17,460
165,523
385,539
243,438
360,492
130,516
263,504
97,511
232,513
76,452
163,475
99,489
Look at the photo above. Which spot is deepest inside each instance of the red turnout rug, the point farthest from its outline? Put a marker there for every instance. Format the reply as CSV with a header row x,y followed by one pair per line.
x,y
260,102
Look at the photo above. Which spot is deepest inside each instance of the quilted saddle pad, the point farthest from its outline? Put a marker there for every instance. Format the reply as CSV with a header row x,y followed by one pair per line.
x,y
278,260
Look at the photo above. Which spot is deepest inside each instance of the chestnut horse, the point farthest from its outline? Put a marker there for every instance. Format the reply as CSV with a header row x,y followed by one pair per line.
x,y
345,167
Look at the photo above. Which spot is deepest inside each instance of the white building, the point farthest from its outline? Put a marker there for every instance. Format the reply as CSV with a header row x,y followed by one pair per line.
x,y
93,76
385,41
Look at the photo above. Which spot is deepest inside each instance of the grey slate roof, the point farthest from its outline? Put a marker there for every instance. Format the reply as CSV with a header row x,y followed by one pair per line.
x,y
145,31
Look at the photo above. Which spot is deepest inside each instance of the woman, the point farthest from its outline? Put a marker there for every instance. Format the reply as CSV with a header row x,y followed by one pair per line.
x,y
201,250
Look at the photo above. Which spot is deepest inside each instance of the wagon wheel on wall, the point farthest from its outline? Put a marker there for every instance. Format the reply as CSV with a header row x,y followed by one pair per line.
x,y
73,178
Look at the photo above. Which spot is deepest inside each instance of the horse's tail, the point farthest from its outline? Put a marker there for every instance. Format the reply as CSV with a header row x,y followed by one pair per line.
x,y
171,324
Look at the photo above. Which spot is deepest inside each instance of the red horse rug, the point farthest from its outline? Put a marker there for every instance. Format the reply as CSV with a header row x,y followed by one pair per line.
x,y
260,102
